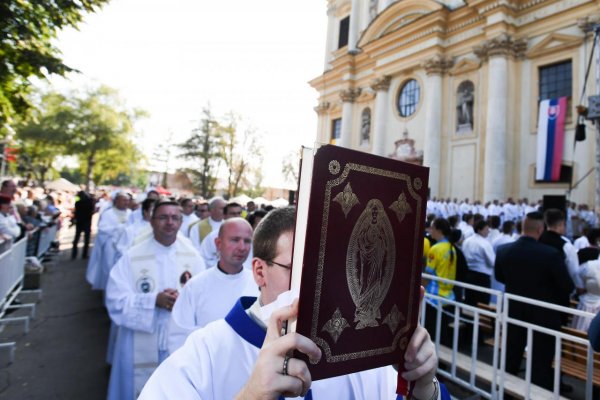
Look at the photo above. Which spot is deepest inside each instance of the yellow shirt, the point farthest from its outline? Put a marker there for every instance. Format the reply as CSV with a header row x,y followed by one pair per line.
x,y
441,262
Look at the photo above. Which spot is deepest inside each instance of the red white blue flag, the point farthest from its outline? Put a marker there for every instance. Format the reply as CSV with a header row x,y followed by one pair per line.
x,y
550,139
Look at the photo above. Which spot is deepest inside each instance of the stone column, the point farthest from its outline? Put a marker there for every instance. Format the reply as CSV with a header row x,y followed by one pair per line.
x,y
348,97
380,86
435,68
329,45
497,51
353,31
322,132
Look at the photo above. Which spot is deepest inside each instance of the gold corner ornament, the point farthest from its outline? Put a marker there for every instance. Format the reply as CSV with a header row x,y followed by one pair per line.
x,y
336,325
370,262
393,319
347,199
334,167
401,207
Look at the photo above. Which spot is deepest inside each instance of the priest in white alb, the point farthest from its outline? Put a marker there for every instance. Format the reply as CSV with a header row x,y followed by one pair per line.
x,y
140,295
110,225
239,358
210,295
189,217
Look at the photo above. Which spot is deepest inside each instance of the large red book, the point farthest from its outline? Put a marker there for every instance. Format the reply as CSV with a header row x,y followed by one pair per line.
x,y
357,257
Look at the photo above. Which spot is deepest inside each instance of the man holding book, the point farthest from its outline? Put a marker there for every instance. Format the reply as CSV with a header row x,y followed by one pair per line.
x,y
245,356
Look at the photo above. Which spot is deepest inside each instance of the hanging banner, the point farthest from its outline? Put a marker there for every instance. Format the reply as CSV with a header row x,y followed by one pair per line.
x,y
550,139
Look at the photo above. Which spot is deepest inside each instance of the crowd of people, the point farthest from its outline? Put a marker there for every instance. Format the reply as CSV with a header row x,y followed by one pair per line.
x,y
520,248
191,288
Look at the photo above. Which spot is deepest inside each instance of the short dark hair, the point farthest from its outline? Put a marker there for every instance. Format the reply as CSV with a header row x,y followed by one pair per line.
x,y
494,221
269,229
252,216
508,227
232,204
162,203
183,201
147,204
443,226
480,225
553,216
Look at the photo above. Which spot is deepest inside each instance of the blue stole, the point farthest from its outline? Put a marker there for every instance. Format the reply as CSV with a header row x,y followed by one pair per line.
x,y
249,330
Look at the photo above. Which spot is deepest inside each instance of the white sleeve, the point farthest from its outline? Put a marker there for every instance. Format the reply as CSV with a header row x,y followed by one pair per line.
x,y
181,323
208,250
195,237
490,255
572,264
126,307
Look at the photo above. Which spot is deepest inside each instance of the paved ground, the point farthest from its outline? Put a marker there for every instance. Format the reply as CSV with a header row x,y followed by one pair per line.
x,y
62,356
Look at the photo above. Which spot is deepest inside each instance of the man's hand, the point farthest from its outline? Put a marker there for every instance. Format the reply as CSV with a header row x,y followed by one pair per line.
x,y
420,361
166,299
269,380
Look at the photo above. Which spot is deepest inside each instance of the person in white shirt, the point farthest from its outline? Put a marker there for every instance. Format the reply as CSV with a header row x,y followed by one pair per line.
x,y
507,235
112,222
480,258
136,215
128,235
141,291
494,232
224,360
208,248
9,228
189,217
200,229
210,295
466,226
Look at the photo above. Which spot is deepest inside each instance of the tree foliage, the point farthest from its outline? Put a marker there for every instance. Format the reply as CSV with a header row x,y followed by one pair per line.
x,y
94,126
27,31
204,150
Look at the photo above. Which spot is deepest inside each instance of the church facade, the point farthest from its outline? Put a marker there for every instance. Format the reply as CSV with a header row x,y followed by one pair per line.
x,y
456,86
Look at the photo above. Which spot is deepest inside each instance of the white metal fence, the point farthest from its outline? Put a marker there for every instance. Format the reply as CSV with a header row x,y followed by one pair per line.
x,y
488,378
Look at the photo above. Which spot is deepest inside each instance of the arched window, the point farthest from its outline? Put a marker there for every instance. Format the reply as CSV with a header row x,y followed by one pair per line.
x,y
408,98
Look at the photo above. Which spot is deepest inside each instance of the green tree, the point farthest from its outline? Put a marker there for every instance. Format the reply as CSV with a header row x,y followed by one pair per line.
x,y
43,137
241,154
27,32
204,150
101,133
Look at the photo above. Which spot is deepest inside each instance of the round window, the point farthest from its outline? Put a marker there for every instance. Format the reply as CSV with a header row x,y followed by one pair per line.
x,y
408,98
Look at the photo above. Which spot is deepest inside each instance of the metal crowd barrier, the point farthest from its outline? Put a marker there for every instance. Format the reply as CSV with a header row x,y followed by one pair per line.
x,y
489,380
12,274
40,240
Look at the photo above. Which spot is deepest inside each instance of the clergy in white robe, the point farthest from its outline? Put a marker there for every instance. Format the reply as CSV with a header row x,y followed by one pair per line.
x,y
198,230
210,295
110,225
188,215
141,291
131,231
224,360
210,253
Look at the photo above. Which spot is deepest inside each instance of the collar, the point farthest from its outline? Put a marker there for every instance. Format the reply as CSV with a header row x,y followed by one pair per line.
x,y
243,325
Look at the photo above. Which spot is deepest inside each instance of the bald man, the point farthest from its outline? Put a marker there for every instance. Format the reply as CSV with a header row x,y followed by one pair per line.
x,y
210,295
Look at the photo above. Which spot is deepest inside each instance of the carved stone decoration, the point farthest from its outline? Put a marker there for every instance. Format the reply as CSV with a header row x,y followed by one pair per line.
x,y
586,24
401,207
405,150
393,319
465,99
349,95
501,45
322,107
382,83
438,64
336,325
347,199
365,126
370,262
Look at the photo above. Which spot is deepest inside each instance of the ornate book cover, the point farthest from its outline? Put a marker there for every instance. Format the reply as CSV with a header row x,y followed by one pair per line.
x,y
357,257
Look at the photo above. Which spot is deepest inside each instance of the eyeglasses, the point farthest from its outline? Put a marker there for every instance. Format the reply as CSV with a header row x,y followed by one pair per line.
x,y
164,218
278,264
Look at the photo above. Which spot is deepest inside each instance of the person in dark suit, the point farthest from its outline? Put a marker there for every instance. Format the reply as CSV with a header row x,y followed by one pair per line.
x,y
531,269
84,209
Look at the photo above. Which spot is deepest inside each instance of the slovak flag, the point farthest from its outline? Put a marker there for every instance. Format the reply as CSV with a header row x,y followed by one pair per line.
x,y
550,139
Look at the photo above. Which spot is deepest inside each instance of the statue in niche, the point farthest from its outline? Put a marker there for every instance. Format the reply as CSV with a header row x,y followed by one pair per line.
x,y
464,106
372,9
405,150
365,126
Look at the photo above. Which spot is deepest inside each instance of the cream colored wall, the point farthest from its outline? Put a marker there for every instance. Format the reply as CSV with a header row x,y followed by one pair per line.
x,y
462,155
